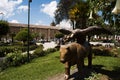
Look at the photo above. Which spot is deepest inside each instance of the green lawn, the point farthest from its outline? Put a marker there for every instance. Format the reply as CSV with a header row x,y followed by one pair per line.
x,y
107,63
38,69
43,67
109,66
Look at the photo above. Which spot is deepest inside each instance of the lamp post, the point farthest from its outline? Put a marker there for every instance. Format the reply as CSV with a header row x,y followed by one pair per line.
x,y
28,39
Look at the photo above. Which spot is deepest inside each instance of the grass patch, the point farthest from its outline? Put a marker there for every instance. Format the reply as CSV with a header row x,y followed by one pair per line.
x,y
106,62
104,68
43,67
38,69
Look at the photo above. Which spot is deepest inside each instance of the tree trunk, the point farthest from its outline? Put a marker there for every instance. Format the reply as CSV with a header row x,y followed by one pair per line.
x,y
81,23
0,38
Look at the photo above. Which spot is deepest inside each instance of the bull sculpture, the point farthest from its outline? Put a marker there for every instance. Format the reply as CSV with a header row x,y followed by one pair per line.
x,y
75,52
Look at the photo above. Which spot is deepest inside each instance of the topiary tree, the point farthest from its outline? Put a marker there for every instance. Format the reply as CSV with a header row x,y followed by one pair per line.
x,y
59,35
35,35
4,28
23,36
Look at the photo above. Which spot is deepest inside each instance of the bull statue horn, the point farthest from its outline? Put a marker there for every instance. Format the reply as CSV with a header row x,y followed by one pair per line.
x,y
90,17
116,9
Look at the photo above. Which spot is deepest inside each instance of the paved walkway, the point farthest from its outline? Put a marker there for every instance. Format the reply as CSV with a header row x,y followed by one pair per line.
x,y
49,45
103,44
74,74
46,46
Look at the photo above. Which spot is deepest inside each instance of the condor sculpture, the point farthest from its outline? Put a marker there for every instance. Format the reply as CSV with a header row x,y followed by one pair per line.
x,y
80,34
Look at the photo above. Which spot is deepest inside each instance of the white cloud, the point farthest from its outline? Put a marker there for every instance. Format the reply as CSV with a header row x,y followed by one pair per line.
x,y
8,7
65,24
14,21
22,8
15,1
39,22
50,8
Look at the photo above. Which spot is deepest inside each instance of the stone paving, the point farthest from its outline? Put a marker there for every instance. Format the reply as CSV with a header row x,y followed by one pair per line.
x,y
49,45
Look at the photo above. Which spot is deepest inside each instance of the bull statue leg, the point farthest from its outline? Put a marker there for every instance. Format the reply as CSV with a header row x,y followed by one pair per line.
x,y
67,70
80,64
89,53
90,60
90,57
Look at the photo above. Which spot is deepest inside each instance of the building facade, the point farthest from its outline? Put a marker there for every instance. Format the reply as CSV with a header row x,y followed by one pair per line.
x,y
44,32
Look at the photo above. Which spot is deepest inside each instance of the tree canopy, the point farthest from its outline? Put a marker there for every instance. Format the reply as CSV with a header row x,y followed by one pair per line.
x,y
4,27
59,35
63,8
78,11
23,36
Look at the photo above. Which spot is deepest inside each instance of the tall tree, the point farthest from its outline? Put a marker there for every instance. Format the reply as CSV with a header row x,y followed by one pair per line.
x,y
52,23
4,28
112,19
75,10
78,12
63,8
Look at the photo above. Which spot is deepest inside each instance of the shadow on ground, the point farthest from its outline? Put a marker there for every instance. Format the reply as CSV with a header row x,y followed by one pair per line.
x,y
114,74
110,75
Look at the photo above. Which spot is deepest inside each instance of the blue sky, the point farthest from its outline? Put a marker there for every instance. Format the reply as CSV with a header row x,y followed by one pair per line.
x,y
16,11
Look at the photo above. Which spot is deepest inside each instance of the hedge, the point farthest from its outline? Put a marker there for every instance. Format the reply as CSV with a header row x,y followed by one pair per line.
x,y
4,50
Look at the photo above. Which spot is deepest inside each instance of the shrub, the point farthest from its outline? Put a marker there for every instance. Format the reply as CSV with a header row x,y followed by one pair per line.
x,y
102,51
15,59
32,47
17,43
4,50
2,65
38,52
50,50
